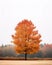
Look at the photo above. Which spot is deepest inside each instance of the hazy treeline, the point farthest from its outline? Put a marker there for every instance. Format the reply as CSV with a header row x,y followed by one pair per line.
x,y
45,51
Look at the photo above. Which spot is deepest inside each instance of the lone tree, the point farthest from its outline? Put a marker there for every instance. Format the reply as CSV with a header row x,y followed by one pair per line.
x,y
26,38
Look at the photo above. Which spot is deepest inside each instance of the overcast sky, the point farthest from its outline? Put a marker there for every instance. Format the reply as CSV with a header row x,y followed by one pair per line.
x,y
13,11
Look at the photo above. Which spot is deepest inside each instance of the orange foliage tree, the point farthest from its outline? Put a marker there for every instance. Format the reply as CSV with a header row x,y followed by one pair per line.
x,y
26,38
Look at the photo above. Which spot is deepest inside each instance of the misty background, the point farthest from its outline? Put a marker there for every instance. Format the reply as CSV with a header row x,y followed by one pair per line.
x,y
13,11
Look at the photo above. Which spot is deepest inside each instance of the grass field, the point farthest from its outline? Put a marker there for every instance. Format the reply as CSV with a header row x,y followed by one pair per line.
x,y
21,58
22,62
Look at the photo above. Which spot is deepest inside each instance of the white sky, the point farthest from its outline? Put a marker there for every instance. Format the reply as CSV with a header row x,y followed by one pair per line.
x,y
13,11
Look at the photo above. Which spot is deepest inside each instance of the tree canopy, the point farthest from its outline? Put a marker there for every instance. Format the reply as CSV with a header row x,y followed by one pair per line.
x,y
26,38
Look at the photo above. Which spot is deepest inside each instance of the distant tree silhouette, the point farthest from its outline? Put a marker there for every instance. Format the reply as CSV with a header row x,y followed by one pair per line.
x,y
47,50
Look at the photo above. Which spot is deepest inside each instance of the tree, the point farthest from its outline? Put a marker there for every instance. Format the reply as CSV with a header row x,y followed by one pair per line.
x,y
26,38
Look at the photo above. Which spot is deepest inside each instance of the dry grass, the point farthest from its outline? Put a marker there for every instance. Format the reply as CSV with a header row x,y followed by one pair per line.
x,y
22,62
14,58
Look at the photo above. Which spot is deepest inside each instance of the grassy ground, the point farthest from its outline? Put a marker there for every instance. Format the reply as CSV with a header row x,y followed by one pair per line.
x,y
22,62
21,58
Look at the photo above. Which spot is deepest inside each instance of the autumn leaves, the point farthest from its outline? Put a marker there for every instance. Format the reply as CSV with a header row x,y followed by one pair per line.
x,y
26,38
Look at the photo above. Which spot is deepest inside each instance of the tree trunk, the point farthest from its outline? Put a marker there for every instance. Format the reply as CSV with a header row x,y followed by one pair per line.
x,y
25,56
